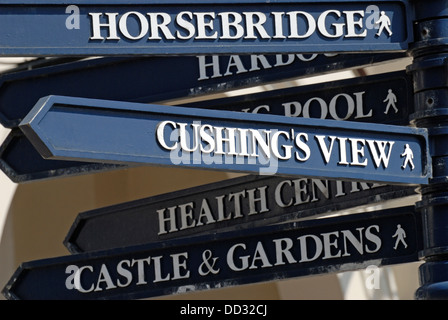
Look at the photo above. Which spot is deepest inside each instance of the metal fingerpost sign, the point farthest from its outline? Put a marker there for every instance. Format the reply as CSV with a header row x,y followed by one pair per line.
x,y
68,128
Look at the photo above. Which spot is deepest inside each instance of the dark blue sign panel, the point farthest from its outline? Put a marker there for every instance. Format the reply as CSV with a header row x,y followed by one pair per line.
x,y
384,98
21,162
132,79
357,99
205,27
68,128
225,259
239,203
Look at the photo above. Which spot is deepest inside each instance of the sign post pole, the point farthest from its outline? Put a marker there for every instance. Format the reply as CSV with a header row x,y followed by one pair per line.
x,y
429,69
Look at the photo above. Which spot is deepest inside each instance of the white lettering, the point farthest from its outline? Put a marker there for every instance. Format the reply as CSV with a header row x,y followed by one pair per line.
x,y
205,25
352,24
111,25
104,277
281,251
184,24
323,147
234,25
144,25
304,148
294,25
322,23
231,261
257,25
380,146
161,136
229,25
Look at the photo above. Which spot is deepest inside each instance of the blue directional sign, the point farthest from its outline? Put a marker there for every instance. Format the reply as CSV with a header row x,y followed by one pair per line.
x,y
220,260
385,98
21,162
125,27
239,203
132,78
67,128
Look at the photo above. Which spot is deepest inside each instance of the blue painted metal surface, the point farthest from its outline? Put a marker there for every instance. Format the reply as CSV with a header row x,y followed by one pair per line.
x,y
429,71
108,131
132,79
180,27
21,162
220,260
234,204
386,98
427,44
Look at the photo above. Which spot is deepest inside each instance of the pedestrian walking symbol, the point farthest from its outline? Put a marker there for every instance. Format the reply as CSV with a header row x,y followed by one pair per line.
x,y
408,156
391,99
400,234
384,23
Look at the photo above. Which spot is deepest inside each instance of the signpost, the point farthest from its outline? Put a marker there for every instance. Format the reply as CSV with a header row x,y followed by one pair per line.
x,y
132,78
108,131
225,259
176,27
122,133
357,99
384,98
239,203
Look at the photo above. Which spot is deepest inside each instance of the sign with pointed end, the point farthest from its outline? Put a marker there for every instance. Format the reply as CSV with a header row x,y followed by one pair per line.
x,y
21,162
312,247
385,98
239,203
176,27
67,128
132,78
